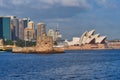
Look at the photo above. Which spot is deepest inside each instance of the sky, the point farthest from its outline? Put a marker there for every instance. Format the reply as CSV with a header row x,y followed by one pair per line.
x,y
73,16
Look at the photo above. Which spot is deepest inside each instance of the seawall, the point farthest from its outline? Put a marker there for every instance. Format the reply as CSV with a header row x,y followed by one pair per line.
x,y
37,50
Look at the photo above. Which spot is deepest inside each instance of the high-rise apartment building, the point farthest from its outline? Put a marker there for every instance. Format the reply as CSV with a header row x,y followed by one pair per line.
x,y
5,28
41,29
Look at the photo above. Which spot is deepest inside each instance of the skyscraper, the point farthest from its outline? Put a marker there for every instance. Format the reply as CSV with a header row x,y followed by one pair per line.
x,y
29,32
21,29
41,29
15,23
31,25
58,36
26,20
5,28
55,34
12,30
51,33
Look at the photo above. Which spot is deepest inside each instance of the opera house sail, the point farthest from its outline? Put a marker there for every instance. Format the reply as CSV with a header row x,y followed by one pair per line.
x,y
92,38
88,40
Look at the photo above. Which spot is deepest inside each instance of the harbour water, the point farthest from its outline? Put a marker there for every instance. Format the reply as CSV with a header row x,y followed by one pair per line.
x,y
72,65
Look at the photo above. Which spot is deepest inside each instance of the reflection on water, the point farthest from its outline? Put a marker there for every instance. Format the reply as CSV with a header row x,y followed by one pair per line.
x,y
73,65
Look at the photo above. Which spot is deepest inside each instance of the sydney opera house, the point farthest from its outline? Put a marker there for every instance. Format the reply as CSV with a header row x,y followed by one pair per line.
x,y
91,38
88,40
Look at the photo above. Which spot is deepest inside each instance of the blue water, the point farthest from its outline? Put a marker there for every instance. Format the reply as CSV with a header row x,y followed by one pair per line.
x,y
73,65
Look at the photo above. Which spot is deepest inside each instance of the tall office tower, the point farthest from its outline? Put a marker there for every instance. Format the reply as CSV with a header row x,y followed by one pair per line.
x,y
12,30
26,20
35,35
21,29
31,25
15,23
28,34
41,30
58,36
12,17
5,28
51,33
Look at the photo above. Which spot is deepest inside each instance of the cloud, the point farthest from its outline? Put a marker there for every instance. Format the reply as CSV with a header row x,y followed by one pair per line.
x,y
107,3
75,3
102,1
49,8
53,3
58,20
2,4
19,2
50,3
44,8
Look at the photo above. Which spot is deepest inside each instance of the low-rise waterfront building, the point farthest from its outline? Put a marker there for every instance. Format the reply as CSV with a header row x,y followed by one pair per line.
x,y
114,44
75,41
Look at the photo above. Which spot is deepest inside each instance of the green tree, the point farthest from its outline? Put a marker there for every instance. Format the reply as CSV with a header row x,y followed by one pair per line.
x,y
22,43
8,42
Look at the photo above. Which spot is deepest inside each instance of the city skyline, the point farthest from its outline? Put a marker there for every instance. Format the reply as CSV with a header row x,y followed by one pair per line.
x,y
73,16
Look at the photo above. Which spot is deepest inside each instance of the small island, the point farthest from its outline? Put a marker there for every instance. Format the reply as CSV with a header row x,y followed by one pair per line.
x,y
44,45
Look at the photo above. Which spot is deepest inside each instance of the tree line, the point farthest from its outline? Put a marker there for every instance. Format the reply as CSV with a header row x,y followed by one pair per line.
x,y
20,43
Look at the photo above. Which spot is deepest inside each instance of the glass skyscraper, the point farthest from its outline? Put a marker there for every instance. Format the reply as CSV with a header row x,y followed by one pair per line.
x,y
15,23
5,28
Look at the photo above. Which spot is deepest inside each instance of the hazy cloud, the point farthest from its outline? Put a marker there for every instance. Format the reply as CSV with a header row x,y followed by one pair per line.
x,y
44,8
68,3
20,2
107,3
50,8
2,4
